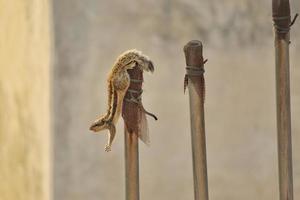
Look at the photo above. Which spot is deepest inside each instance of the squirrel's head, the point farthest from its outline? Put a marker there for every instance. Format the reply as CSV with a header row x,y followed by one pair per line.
x,y
99,125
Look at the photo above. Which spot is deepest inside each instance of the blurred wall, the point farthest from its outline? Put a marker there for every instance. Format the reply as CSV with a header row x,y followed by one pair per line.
x,y
24,100
240,102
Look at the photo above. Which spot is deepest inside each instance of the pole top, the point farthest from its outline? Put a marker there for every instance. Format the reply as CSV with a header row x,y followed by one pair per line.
x,y
281,16
281,8
193,53
130,111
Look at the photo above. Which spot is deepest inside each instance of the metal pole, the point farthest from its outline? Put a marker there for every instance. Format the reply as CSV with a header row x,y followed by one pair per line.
x,y
195,81
282,23
131,165
132,118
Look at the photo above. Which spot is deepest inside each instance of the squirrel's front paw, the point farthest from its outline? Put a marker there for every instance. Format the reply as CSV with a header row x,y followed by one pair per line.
x,y
107,148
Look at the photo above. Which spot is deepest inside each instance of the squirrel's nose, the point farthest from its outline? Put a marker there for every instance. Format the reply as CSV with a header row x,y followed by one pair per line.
x,y
93,127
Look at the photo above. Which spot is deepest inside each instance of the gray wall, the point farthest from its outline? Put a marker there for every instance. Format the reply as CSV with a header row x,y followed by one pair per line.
x,y
240,101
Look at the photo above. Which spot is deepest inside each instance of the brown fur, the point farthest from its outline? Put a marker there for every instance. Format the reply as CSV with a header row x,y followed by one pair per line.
x,y
118,83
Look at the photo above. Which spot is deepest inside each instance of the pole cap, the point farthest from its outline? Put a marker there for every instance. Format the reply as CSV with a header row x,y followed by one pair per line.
x,y
193,53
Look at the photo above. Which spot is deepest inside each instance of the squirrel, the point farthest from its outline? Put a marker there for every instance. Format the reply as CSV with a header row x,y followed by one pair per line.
x,y
117,84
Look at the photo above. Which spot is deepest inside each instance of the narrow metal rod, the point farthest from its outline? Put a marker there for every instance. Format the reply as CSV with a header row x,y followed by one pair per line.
x,y
193,54
131,115
281,15
284,120
131,165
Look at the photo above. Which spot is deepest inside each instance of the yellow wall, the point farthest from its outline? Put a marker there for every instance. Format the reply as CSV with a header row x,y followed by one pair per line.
x,y
24,99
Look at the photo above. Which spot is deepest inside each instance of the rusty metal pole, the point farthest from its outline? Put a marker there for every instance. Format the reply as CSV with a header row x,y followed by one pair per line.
x,y
282,23
131,165
195,81
131,114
